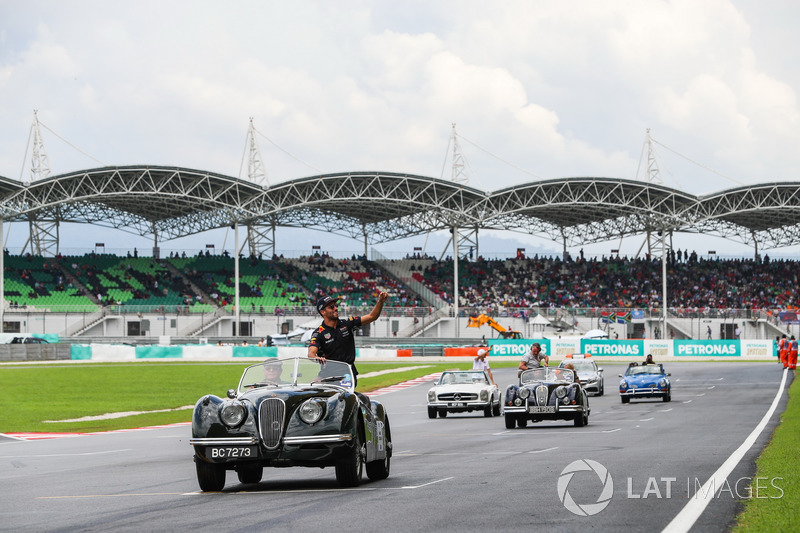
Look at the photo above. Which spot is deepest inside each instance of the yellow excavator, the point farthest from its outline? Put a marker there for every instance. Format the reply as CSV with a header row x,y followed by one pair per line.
x,y
480,320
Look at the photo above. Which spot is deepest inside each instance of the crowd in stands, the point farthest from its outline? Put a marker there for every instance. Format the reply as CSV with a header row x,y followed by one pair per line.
x,y
618,283
206,282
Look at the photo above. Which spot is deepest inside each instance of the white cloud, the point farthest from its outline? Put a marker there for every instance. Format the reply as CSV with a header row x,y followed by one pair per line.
x,y
557,88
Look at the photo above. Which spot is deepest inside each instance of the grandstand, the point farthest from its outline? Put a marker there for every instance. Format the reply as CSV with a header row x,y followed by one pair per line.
x,y
96,294
200,296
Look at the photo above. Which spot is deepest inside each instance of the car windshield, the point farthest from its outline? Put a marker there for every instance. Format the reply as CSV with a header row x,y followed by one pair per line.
x,y
583,367
296,372
547,374
645,369
456,378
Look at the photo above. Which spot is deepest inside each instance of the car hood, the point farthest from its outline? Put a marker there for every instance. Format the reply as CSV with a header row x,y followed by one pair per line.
x,y
644,379
463,387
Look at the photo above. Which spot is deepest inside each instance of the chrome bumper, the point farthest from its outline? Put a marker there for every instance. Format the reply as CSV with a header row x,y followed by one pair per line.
x,y
249,441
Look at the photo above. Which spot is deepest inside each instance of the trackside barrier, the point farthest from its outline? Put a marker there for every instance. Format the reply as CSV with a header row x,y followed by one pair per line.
x,y
623,350
465,351
195,352
639,348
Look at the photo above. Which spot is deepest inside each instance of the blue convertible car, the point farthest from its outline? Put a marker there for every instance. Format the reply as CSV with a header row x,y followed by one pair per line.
x,y
645,381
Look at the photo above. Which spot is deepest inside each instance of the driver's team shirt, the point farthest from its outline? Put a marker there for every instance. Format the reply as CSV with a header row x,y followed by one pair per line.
x,y
337,343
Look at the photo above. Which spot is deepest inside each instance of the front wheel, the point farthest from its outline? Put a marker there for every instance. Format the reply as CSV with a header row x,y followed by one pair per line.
x,y
511,421
602,390
431,412
443,413
522,421
210,476
349,469
668,397
581,419
487,411
496,409
625,399
250,474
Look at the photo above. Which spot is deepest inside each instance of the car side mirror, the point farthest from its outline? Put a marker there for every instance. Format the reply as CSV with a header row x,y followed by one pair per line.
x,y
620,375
669,373
231,393
599,368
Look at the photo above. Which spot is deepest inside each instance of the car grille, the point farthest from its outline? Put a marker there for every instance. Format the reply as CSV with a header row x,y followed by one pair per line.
x,y
541,395
457,396
270,421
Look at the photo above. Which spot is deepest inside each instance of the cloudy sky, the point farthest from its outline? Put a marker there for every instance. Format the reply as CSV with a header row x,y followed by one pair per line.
x,y
537,90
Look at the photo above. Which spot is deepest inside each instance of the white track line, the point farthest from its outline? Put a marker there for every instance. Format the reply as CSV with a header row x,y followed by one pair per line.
x,y
684,520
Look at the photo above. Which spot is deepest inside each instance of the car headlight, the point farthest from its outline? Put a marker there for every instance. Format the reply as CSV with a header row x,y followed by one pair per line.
x,y
232,414
663,383
623,385
561,392
484,395
431,395
524,393
311,411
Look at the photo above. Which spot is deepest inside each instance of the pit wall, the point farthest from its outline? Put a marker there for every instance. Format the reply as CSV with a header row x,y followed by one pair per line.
x,y
624,350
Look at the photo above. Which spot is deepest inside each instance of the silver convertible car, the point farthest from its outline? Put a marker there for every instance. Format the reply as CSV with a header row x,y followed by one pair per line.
x,y
291,412
463,391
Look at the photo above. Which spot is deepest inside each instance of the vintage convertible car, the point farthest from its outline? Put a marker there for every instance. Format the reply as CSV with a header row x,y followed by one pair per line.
x,y
291,412
460,391
645,381
591,375
546,394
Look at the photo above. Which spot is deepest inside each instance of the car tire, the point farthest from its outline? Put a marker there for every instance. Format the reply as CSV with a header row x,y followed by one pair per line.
x,y
350,469
487,411
443,413
431,412
511,421
379,469
496,409
250,474
625,399
602,390
210,476
668,397
580,419
522,421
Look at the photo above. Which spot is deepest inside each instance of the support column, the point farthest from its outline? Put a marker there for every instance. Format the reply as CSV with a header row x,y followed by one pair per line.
x,y
237,325
455,280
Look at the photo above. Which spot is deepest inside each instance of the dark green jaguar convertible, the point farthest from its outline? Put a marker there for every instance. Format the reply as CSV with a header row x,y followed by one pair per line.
x,y
291,412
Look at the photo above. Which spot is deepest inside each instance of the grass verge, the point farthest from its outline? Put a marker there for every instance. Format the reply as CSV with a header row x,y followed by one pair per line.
x,y
35,394
769,508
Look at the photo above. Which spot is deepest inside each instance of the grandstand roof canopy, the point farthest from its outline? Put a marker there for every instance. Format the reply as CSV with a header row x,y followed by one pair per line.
x,y
379,207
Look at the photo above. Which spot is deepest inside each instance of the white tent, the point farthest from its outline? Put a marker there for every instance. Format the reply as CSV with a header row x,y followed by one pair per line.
x,y
595,334
539,320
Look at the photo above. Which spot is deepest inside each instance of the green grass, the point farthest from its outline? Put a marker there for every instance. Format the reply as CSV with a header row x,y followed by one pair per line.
x,y
772,509
33,394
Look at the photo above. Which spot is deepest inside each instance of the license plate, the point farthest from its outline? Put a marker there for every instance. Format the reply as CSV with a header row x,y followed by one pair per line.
x,y
222,453
541,409
457,404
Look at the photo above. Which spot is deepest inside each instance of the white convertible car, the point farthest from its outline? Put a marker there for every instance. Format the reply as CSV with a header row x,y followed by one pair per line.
x,y
461,391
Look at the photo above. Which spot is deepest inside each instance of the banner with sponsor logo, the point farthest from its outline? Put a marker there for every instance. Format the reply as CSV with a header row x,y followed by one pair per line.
x,y
723,348
606,347
658,348
517,347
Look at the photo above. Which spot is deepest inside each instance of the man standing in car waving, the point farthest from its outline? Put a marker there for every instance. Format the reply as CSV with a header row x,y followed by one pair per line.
x,y
334,339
